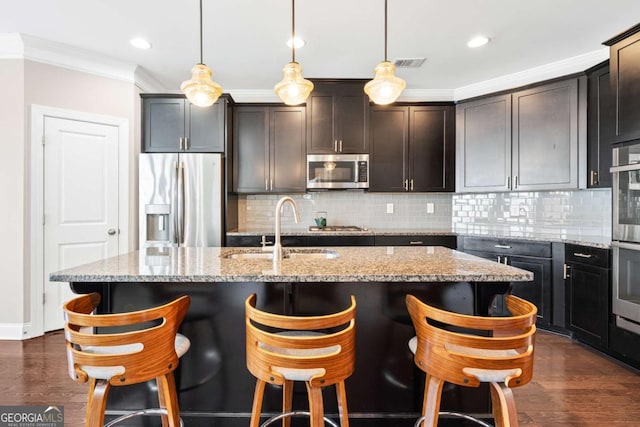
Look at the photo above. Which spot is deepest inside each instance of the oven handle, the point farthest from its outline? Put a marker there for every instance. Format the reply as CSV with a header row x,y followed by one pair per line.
x,y
625,168
628,325
625,245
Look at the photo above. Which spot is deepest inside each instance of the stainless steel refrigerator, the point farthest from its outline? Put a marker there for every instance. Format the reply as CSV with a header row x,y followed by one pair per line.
x,y
181,199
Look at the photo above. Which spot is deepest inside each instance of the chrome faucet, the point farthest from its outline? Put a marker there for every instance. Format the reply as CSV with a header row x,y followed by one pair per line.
x,y
277,246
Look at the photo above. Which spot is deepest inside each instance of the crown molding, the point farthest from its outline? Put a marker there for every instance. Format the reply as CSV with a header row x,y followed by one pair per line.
x,y
146,82
11,46
253,95
561,68
426,95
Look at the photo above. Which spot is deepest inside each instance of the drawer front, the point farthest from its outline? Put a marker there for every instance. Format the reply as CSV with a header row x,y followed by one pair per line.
x,y
417,240
340,240
596,257
252,241
508,247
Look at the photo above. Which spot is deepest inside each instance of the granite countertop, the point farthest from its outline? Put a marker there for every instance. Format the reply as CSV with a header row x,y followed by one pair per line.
x,y
354,264
560,237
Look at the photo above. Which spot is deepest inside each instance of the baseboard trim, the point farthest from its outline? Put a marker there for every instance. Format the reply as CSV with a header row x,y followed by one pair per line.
x,y
15,331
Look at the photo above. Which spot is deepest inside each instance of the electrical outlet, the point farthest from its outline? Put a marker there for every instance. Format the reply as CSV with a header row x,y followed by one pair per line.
x,y
389,208
430,208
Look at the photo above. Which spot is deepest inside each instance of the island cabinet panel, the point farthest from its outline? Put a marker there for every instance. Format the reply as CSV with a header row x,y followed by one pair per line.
x,y
599,127
269,147
417,240
588,287
300,240
173,124
531,139
338,118
351,240
531,256
625,84
213,381
412,148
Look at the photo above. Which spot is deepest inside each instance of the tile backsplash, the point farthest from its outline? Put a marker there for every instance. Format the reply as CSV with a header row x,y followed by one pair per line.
x,y
585,212
350,208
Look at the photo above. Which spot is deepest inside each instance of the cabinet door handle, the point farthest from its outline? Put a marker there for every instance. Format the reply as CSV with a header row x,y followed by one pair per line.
x,y
509,182
411,184
415,242
335,145
506,260
270,185
181,143
565,271
266,185
186,142
515,182
499,259
581,255
406,185
502,246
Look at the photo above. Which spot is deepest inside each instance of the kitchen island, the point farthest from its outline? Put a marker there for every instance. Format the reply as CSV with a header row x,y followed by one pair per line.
x,y
215,388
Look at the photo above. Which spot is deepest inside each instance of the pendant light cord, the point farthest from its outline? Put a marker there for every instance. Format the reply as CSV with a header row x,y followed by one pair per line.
x,y
201,31
293,30
385,30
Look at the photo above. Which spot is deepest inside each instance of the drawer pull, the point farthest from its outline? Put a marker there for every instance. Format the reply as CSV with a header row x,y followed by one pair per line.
x,y
502,246
415,242
581,255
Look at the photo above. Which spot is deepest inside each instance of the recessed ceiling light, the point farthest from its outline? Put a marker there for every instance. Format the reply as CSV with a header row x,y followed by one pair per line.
x,y
478,41
140,43
299,42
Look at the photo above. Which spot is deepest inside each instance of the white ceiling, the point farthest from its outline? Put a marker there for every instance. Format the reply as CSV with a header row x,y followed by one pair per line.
x,y
244,40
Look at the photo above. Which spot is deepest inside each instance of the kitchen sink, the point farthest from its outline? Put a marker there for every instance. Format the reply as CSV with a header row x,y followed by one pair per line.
x,y
300,254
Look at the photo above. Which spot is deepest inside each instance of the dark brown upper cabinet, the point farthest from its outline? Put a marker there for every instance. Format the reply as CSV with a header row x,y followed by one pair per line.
x,y
526,140
338,118
412,148
269,149
625,84
599,126
173,124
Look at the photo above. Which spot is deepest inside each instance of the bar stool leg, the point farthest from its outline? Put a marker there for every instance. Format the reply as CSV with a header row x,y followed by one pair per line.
x,y
98,392
287,399
168,400
257,404
315,405
341,393
504,406
431,402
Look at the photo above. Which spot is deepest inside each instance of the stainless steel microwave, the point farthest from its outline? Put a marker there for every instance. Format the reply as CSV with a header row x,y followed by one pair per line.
x,y
337,171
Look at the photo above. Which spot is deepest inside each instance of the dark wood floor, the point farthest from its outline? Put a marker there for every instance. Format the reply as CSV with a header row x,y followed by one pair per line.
x,y
572,385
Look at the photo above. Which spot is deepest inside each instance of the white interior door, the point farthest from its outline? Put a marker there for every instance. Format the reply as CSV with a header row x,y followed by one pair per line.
x,y
80,202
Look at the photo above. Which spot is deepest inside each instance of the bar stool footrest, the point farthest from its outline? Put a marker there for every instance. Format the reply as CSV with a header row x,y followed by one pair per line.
x,y
456,414
142,412
294,414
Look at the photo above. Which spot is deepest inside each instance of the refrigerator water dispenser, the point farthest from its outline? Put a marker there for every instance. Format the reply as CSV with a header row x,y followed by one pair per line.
x,y
158,223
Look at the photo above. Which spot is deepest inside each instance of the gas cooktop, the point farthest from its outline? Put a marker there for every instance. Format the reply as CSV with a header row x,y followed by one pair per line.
x,y
335,228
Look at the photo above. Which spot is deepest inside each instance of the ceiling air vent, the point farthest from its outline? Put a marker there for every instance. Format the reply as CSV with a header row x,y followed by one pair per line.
x,y
409,62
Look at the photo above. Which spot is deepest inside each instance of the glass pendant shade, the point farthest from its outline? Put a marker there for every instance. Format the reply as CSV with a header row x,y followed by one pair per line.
x,y
200,89
385,87
293,89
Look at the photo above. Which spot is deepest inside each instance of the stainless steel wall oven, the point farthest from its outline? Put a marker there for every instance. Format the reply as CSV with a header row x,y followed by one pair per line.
x,y
626,237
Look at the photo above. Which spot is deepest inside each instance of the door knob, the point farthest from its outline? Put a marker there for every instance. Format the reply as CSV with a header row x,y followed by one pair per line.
x,y
111,231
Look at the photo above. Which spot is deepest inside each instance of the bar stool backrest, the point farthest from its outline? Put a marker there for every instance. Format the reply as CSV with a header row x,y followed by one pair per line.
x,y
324,344
145,351
448,350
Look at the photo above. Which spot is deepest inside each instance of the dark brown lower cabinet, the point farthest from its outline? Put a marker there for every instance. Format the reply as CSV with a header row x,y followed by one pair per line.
x,y
588,288
531,256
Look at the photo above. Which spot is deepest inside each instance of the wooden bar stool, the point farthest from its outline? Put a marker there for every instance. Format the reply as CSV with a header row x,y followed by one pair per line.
x,y
504,359
284,349
149,350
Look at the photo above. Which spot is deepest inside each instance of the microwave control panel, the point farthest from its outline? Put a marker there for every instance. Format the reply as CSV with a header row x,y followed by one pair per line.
x,y
363,173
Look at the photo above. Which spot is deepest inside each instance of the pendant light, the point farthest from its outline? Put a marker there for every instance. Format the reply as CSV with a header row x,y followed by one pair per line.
x,y
200,89
385,87
293,89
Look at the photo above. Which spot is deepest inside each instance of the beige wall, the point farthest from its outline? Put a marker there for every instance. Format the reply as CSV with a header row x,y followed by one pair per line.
x,y
12,191
23,84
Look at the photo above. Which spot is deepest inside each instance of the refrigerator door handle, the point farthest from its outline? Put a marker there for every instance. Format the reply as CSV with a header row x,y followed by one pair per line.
x,y
174,202
183,205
